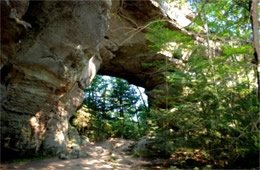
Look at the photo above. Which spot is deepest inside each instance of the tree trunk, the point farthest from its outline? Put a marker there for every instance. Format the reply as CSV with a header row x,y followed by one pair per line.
x,y
254,21
141,96
104,114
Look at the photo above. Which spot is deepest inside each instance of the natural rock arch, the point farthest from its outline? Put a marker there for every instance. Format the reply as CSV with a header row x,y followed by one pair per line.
x,y
44,69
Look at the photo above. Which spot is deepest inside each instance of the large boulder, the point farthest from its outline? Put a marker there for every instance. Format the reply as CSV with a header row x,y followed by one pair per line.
x,y
151,147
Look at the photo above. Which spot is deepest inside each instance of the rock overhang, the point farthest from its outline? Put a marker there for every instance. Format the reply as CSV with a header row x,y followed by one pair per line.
x,y
46,67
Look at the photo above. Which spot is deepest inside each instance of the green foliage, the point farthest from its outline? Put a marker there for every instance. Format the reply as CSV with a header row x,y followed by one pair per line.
x,y
159,36
88,124
224,18
110,109
213,121
217,111
81,118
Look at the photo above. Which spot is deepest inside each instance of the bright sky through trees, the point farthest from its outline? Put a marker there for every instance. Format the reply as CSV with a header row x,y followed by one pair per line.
x,y
142,90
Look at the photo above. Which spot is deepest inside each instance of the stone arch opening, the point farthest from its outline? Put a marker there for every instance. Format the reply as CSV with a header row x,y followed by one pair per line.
x,y
46,68
111,108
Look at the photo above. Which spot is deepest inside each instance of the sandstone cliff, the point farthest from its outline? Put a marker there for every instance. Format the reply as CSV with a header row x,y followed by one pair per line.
x,y
51,50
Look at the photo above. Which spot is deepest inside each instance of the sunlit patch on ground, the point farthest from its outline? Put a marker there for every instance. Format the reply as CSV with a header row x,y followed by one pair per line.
x,y
108,154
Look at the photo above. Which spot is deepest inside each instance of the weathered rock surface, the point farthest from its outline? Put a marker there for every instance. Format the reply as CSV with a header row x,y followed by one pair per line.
x,y
151,147
44,68
125,50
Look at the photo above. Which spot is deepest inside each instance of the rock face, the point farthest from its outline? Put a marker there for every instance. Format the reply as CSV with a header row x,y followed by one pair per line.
x,y
51,50
43,70
125,50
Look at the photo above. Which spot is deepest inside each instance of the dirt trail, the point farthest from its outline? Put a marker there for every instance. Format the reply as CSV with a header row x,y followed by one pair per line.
x,y
110,154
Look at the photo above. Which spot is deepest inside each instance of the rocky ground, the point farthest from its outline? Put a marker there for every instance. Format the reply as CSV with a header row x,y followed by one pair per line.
x,y
110,154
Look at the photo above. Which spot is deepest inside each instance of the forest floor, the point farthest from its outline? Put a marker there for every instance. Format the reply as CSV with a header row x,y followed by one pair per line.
x,y
109,154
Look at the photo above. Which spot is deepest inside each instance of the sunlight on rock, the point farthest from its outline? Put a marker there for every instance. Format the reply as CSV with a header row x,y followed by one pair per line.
x,y
178,11
90,70
38,128
78,47
119,144
34,122
60,137
76,101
